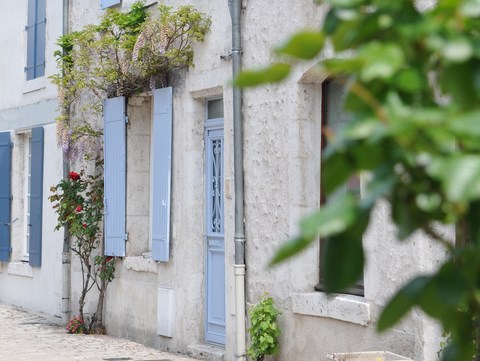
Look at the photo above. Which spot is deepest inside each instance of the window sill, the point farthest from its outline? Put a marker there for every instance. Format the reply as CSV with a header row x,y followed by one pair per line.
x,y
140,264
20,269
34,85
347,308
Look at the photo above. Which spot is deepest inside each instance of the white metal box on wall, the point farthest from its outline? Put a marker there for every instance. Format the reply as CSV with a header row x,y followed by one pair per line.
x,y
165,311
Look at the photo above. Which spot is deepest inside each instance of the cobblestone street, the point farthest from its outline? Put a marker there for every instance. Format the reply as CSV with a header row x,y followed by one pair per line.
x,y
28,336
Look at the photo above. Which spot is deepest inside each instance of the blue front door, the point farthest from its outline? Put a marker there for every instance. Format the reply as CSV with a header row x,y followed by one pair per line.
x,y
215,241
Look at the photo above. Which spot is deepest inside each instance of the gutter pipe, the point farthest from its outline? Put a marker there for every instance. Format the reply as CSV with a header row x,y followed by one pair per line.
x,y
235,7
66,257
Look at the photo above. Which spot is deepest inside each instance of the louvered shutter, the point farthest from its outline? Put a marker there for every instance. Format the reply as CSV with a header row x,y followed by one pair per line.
x,y
40,38
107,3
30,28
115,176
161,172
5,192
36,198
36,25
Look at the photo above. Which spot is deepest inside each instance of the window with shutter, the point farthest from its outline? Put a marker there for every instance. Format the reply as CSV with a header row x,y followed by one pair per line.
x,y
115,176
35,29
108,3
161,172
5,195
36,198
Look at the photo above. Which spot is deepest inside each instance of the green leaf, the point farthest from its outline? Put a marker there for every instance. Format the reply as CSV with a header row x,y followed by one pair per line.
x,y
336,169
447,289
343,262
341,66
457,50
405,214
459,175
304,45
381,60
381,184
290,248
467,124
332,218
271,74
345,3
343,257
410,80
402,302
457,80
363,129
331,21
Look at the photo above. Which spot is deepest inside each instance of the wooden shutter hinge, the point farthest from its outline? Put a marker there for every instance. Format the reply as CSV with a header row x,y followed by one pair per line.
x,y
126,237
126,119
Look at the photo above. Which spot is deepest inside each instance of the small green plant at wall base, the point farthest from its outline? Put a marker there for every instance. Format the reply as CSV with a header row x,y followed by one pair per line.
x,y
263,329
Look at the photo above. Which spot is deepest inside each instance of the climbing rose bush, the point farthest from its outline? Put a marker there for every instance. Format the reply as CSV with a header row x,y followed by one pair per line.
x,y
78,202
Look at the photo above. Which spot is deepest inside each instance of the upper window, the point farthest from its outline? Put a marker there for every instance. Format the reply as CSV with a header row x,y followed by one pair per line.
x,y
333,119
36,39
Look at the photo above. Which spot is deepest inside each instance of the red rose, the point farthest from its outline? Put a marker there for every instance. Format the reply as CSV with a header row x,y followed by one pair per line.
x,y
108,259
74,176
84,225
78,209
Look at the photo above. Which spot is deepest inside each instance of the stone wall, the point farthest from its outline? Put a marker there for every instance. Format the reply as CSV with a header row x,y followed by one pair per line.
x,y
282,175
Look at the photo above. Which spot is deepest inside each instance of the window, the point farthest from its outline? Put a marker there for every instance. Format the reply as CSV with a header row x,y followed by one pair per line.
x,y
26,216
115,176
36,39
333,119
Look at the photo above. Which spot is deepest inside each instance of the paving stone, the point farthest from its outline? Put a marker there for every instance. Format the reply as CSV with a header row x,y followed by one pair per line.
x,y
29,336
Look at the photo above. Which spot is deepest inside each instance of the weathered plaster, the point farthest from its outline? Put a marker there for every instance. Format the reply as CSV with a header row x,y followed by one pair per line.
x,y
282,181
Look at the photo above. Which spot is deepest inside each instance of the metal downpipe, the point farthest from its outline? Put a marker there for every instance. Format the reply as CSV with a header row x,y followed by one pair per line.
x,y
235,7
66,257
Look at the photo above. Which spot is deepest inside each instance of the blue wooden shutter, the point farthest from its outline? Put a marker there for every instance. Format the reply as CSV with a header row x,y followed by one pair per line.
x,y
161,172
5,194
107,3
35,28
41,21
36,198
115,176
30,28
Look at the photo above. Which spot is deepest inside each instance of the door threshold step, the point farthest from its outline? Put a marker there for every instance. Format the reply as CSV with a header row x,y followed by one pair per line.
x,y
206,352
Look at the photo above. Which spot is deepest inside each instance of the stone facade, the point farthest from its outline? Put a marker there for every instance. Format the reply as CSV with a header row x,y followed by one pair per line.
x,y
282,181
27,104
